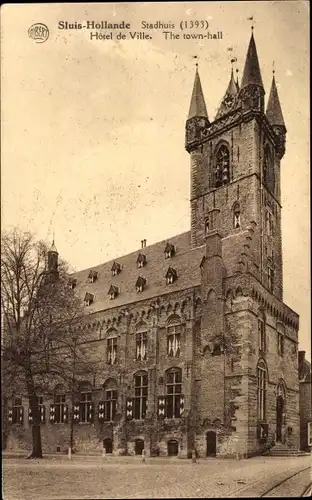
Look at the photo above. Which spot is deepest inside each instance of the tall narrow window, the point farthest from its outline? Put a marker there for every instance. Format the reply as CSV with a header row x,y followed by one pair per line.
x,y
174,340
262,336
174,393
110,404
85,406
141,346
222,169
270,276
59,403
236,216
112,350
140,395
261,389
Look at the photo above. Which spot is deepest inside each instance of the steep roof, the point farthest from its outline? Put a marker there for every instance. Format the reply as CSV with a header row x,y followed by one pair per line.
x,y
228,99
252,73
274,111
186,262
198,105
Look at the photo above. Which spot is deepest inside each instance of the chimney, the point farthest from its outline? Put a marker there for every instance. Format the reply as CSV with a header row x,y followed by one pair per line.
x,y
144,243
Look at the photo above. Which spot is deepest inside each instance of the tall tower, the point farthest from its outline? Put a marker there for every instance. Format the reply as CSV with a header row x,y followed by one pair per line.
x,y
53,262
235,171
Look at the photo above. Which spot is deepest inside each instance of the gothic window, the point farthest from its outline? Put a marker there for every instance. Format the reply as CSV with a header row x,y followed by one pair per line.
x,y
17,411
110,405
85,407
111,350
261,389
236,216
207,225
222,168
174,393
261,333
140,395
141,346
60,408
174,340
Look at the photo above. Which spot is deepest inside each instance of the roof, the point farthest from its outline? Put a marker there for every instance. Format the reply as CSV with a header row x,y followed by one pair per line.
x,y
53,248
198,105
306,376
252,73
274,111
186,262
228,100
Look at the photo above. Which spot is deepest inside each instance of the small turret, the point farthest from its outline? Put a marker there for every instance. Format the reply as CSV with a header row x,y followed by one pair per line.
x,y
275,116
198,117
230,98
53,259
252,90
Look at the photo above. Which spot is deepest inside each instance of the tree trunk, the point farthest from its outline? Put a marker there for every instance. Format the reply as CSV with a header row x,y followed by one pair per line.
x,y
33,404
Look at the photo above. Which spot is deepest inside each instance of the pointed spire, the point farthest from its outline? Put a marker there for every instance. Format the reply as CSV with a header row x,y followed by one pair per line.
x,y
53,247
252,73
274,111
198,105
228,98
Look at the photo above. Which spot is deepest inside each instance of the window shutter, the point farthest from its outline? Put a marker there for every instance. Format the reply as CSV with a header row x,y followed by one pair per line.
x,y
181,405
129,406
90,413
21,414
42,414
52,414
29,415
10,415
76,414
101,412
161,406
65,413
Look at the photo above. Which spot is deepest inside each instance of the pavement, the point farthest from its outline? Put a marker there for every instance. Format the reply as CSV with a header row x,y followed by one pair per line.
x,y
86,477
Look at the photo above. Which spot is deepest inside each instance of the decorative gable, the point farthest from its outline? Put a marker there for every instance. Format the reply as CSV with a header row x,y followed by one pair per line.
x,y
141,260
93,276
89,298
116,268
171,276
140,284
113,292
169,251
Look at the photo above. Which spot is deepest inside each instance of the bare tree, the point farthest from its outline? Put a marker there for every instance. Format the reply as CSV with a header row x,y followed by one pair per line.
x,y
40,313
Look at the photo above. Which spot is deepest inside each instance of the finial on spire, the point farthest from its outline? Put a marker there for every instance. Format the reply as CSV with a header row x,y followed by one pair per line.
x,y
273,68
251,19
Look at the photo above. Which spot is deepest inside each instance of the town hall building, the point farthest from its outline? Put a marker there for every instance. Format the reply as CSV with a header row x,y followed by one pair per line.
x,y
199,351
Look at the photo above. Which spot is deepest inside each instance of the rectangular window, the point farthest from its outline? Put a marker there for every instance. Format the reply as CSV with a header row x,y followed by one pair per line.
x,y
85,401
174,341
59,403
140,396
17,411
110,405
141,346
280,340
262,339
270,279
112,350
174,390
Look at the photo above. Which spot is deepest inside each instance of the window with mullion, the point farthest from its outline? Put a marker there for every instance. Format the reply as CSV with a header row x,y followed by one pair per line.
x,y
174,340
261,374
85,400
174,390
59,403
17,405
112,350
140,396
141,346
110,404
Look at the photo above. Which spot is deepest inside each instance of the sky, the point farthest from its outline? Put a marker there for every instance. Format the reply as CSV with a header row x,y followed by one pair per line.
x,y
93,130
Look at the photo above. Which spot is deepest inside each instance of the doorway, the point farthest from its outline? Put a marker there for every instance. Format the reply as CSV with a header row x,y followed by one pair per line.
x,y
139,446
173,448
108,445
279,418
211,444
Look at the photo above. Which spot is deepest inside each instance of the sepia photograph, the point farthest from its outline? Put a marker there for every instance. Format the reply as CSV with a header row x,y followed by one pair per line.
x,y
155,250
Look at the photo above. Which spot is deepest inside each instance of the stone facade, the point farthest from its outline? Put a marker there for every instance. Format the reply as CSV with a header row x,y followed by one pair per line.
x,y
209,306
305,402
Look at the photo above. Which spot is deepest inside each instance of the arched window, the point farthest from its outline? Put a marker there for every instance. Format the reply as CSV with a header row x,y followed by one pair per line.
x,y
112,347
261,332
236,216
270,275
140,395
222,169
280,339
174,330
174,398
261,389
141,342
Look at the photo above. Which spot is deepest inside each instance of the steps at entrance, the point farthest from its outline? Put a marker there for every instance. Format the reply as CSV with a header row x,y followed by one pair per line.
x,y
281,450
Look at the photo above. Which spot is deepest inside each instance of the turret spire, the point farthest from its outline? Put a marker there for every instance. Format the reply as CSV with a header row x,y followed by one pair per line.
x,y
274,111
198,105
228,101
252,73
53,259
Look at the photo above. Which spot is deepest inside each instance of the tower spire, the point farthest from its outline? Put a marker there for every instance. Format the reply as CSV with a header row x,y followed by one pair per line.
x,y
228,100
198,105
252,73
274,111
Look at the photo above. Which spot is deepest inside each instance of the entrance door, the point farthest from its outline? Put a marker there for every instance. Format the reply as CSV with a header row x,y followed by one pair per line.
x,y
108,445
211,440
173,448
139,446
279,417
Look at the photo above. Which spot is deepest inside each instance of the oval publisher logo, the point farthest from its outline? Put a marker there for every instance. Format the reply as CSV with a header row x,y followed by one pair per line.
x,y
38,32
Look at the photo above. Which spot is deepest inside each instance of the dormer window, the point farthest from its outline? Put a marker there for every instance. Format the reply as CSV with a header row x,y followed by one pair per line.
x,y
113,292
93,275
140,284
73,283
169,251
171,276
89,298
116,268
141,260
